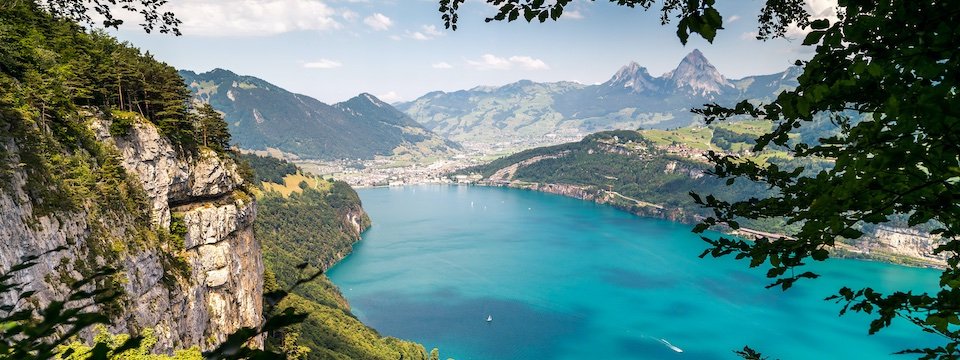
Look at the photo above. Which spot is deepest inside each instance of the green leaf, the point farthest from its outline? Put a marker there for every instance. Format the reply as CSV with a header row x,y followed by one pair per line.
x,y
514,14
556,12
713,18
699,228
820,254
813,37
820,24
529,14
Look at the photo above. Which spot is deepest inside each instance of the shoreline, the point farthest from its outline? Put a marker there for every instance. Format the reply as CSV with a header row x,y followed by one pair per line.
x,y
650,210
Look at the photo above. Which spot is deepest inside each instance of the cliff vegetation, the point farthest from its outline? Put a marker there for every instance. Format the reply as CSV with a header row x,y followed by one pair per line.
x,y
105,165
315,223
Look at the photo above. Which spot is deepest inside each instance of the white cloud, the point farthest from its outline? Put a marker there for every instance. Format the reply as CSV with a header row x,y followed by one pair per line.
x,y
733,19
529,63
441,65
490,62
818,9
322,64
390,97
749,35
572,14
427,32
493,62
349,15
251,17
378,22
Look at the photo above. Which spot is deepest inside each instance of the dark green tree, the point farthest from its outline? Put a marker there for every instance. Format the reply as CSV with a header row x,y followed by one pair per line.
x,y
897,62
212,129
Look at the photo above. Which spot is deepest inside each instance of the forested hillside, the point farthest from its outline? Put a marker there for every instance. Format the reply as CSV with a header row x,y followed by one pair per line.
x,y
316,225
106,177
265,116
624,162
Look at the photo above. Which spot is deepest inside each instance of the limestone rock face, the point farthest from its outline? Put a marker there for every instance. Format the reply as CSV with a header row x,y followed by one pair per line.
x,y
194,295
905,242
153,160
22,234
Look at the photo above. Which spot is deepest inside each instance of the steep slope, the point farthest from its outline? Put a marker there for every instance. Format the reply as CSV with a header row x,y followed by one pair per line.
x,y
630,99
317,223
262,115
180,232
85,186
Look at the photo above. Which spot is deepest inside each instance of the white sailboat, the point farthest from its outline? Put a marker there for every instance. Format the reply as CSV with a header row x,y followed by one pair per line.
x,y
489,318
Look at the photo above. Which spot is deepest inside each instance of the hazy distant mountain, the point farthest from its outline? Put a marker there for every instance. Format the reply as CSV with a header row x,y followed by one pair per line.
x,y
262,115
632,98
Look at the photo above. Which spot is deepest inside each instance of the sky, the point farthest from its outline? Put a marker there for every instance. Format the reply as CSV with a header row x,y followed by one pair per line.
x,y
399,50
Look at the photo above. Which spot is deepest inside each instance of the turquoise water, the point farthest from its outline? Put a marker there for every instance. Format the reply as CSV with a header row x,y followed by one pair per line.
x,y
569,279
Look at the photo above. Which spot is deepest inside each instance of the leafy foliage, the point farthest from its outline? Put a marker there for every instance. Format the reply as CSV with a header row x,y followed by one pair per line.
x,y
693,17
50,68
117,348
81,10
894,62
899,161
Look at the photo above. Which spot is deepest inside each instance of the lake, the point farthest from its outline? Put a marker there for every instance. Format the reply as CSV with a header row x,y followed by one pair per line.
x,y
569,279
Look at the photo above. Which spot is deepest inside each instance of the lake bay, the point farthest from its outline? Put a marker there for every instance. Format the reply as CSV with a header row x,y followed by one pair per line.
x,y
568,279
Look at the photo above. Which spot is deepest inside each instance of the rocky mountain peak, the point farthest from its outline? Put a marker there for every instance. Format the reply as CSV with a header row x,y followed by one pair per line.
x,y
633,77
360,102
697,75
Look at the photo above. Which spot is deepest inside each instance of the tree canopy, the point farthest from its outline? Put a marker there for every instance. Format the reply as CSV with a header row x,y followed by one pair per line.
x,y
895,61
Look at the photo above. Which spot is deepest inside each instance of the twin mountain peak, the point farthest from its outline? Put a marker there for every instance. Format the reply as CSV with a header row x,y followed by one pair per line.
x,y
263,116
694,74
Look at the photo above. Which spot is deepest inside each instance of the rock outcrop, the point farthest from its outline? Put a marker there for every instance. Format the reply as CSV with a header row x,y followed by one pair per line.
x,y
885,241
193,294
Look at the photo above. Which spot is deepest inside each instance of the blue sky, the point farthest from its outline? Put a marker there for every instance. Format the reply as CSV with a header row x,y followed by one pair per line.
x,y
398,50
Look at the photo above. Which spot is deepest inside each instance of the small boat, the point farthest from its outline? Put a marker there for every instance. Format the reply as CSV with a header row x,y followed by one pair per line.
x,y
489,318
671,346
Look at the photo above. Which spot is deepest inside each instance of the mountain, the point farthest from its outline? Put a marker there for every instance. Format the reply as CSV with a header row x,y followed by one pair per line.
x,y
697,76
263,116
630,99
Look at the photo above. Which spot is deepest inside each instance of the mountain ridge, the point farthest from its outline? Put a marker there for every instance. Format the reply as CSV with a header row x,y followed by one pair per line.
x,y
631,98
263,116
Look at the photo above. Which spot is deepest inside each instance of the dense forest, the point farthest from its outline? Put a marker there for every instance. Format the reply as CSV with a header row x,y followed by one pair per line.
x,y
315,226
53,76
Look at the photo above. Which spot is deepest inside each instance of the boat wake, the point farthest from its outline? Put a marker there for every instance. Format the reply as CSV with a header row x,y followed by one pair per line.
x,y
671,346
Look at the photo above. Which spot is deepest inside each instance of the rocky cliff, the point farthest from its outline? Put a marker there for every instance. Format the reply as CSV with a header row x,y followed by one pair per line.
x,y
192,271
